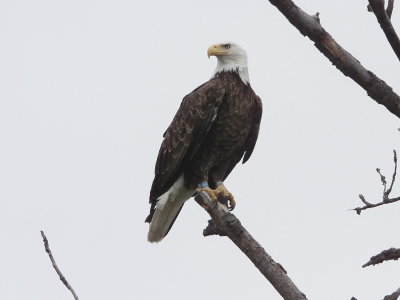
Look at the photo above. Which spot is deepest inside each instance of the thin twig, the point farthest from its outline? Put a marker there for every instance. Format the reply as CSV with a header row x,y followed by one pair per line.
x,y
383,180
394,173
359,209
226,223
386,192
62,278
363,200
378,8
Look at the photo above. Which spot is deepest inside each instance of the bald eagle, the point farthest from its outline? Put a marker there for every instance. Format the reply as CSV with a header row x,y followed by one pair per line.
x,y
215,127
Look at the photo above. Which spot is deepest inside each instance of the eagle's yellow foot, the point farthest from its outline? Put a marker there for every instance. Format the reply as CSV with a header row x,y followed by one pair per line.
x,y
212,193
220,194
226,197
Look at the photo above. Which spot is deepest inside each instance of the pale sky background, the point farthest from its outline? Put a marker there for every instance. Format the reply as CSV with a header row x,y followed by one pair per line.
x,y
87,89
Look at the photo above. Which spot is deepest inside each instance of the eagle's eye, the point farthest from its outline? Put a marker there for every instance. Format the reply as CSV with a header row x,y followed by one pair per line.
x,y
227,46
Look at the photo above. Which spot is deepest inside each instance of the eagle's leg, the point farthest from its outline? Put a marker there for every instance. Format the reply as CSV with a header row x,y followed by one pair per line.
x,y
203,187
220,194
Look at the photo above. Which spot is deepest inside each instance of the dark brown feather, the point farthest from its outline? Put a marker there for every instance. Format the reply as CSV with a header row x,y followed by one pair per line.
x,y
216,125
184,136
255,128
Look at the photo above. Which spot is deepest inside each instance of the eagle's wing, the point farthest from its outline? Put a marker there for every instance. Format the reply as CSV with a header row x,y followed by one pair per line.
x,y
255,128
184,136
251,139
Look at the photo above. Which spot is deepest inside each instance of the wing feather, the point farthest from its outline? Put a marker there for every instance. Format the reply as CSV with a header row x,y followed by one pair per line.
x,y
255,128
185,134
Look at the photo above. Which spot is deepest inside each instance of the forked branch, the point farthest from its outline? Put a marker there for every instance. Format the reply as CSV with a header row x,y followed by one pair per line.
x,y
383,16
226,224
310,26
386,191
389,8
62,278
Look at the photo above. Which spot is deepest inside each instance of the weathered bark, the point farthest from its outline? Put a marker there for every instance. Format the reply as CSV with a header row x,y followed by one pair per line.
x,y
310,26
378,7
394,296
389,9
225,223
385,255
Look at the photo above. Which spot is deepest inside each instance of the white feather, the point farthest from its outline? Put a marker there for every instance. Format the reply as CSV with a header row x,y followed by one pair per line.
x,y
168,206
236,60
162,200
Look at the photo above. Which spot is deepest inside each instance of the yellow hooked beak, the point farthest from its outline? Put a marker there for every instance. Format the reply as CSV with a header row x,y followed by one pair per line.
x,y
216,50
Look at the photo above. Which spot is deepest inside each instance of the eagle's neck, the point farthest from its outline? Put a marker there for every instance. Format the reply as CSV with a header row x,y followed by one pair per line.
x,y
234,64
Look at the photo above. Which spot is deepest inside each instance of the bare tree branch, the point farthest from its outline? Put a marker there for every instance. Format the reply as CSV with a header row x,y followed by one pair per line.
x,y
378,8
62,278
310,26
385,255
389,8
225,223
393,296
386,192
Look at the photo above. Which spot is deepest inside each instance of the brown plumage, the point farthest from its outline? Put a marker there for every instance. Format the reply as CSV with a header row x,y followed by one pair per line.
x,y
215,127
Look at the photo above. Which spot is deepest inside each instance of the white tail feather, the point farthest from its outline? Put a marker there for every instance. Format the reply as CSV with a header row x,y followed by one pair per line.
x,y
168,206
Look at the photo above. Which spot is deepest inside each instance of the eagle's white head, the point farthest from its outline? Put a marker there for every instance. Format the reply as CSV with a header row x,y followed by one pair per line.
x,y
231,57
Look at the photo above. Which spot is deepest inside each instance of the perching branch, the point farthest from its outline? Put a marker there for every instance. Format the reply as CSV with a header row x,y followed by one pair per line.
x,y
225,223
386,192
310,26
385,255
62,278
383,17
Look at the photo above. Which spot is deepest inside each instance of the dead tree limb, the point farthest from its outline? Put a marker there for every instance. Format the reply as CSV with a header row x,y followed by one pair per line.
x,y
386,191
62,278
389,8
225,223
310,26
383,16
385,255
393,296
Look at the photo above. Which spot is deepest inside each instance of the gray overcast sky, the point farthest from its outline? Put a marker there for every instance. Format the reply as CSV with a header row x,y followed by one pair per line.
x,y
88,87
